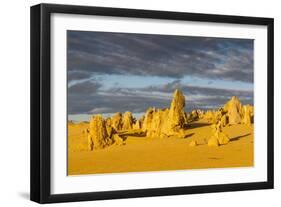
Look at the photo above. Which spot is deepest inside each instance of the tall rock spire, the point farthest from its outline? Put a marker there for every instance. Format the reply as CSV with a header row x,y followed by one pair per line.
x,y
177,116
234,110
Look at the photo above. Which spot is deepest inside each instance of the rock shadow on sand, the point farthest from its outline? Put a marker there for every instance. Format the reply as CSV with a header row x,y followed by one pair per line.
x,y
197,125
126,134
239,137
188,135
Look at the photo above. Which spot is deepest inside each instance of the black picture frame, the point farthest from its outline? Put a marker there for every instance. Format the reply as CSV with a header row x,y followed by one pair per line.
x,y
41,98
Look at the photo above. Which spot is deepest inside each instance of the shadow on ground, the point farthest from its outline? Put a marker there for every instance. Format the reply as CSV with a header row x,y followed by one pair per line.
x,y
125,134
188,135
197,125
239,137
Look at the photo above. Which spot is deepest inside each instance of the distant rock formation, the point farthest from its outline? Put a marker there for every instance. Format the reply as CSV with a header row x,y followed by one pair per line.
x,y
209,116
98,137
224,120
158,123
234,111
213,116
116,121
177,117
148,118
176,120
173,121
137,125
200,114
194,115
70,123
109,129
127,121
166,122
101,134
117,139
247,115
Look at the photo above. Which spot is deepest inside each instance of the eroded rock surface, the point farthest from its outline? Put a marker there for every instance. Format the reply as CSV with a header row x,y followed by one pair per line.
x,y
116,121
98,137
218,137
177,117
234,110
169,122
247,115
101,133
127,121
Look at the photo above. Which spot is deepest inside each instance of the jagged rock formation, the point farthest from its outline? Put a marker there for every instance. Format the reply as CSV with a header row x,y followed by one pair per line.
x,y
147,122
213,142
158,123
218,137
232,113
224,120
213,116
101,134
141,120
234,110
223,138
236,113
109,129
200,114
127,121
194,115
116,121
98,136
90,142
161,123
209,116
137,125
117,139
166,122
152,122
247,115
177,117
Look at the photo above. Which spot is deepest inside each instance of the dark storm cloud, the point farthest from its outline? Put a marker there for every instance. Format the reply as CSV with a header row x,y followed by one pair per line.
x,y
137,100
91,56
159,55
79,104
198,90
77,75
86,87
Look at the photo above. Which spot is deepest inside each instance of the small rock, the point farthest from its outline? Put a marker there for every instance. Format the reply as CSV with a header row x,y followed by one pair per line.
x,y
213,142
193,143
223,138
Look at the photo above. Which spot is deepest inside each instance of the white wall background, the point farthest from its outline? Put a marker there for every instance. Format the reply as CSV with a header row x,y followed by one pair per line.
x,y
14,101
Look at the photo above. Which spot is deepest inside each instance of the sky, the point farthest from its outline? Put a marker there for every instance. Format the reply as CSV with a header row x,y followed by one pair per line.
x,y
109,72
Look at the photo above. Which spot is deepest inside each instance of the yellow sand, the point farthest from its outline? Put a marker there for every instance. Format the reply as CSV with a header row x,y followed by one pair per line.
x,y
152,154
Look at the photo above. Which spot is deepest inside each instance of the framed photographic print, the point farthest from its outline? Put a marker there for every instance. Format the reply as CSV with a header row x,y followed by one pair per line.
x,y
133,103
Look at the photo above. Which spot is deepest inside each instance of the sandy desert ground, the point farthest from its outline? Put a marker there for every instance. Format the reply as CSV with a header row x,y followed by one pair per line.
x,y
141,153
